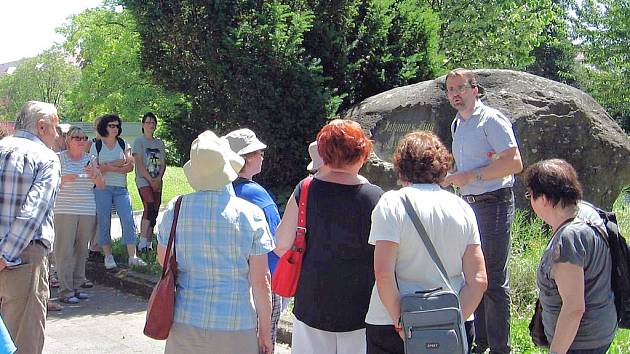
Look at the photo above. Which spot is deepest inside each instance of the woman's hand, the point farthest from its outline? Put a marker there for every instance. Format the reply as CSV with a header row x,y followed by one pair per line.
x,y
265,346
69,178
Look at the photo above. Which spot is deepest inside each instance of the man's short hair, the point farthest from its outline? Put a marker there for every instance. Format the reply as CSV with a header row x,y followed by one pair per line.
x,y
469,75
33,111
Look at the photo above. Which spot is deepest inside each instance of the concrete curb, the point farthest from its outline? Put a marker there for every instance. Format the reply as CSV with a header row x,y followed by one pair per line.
x,y
141,284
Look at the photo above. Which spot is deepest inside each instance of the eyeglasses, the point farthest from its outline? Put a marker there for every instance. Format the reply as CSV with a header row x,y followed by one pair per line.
x,y
528,195
79,138
150,122
457,89
113,126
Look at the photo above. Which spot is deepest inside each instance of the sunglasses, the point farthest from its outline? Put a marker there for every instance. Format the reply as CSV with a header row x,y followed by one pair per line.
x,y
79,138
113,125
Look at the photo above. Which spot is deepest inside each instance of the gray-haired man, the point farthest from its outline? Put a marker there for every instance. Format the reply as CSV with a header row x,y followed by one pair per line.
x,y
30,175
486,158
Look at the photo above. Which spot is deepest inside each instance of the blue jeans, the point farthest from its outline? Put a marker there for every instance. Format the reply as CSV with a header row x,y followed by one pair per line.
x,y
492,317
119,197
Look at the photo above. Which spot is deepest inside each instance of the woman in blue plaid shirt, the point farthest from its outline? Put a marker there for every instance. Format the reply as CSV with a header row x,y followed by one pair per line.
x,y
221,243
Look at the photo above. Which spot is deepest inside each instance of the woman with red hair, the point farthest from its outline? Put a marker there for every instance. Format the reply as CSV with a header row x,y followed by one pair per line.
x,y
337,275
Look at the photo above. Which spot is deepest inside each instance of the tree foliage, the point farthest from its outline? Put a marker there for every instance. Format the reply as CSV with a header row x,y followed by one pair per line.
x,y
603,27
492,33
49,77
280,67
107,43
555,55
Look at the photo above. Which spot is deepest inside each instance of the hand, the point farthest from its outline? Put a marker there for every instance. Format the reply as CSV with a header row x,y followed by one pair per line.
x,y
264,342
458,179
118,163
69,178
400,330
156,184
2,264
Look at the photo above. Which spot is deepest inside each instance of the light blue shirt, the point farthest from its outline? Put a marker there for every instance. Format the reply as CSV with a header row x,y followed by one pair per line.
x,y
475,140
216,234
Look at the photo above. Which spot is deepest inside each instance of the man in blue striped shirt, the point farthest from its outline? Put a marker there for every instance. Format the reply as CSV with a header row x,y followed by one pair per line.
x,y
29,181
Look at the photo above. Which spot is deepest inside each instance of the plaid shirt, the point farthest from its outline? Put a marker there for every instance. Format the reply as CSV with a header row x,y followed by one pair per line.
x,y
29,181
216,234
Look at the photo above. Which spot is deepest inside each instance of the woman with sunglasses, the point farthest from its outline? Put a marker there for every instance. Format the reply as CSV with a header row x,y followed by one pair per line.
x,y
75,215
573,277
114,162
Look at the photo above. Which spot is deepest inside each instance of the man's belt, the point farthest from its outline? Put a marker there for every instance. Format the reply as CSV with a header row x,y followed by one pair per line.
x,y
500,195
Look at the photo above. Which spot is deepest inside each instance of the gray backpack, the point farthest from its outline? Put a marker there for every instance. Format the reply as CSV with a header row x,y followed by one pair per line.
x,y
432,319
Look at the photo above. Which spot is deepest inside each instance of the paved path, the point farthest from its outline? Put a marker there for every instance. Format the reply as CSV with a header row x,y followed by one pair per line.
x,y
110,321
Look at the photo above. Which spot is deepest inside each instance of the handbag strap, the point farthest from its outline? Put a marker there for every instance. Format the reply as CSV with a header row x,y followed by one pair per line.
x,y
426,240
170,255
301,222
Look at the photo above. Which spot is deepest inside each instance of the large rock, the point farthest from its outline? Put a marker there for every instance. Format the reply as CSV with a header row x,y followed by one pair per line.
x,y
550,120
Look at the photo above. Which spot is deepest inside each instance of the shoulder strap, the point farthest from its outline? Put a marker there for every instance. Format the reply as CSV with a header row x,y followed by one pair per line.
x,y
170,256
302,205
121,143
426,240
99,146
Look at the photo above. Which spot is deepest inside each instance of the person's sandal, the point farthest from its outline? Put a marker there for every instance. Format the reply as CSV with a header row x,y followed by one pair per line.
x,y
87,284
53,306
73,300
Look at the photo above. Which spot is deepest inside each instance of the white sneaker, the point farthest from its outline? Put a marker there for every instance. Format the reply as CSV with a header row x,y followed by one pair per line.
x,y
137,262
110,263
144,245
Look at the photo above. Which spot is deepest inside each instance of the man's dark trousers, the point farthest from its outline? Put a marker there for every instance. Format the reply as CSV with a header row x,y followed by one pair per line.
x,y
492,317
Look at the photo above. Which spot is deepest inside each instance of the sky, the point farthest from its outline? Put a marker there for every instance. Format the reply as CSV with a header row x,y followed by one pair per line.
x,y
27,27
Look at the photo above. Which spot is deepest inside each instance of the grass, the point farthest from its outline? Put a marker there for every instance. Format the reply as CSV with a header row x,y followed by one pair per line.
x,y
173,184
529,239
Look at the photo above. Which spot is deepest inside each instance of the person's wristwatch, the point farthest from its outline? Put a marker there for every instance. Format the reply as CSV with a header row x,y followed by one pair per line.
x,y
477,174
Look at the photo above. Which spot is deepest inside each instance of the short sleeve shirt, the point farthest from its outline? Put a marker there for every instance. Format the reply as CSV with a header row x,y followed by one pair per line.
x,y
153,155
215,236
577,243
450,224
76,197
114,179
476,139
258,195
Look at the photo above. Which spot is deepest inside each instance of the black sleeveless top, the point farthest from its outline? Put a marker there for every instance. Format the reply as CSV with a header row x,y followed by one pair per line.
x,y
337,274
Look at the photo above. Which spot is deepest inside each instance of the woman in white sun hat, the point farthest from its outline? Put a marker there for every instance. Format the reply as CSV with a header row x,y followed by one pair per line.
x,y
221,243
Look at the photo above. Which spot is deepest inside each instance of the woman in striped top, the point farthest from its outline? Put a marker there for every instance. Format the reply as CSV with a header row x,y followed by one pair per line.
x,y
75,215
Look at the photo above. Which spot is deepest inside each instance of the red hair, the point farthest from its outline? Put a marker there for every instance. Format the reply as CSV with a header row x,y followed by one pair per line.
x,y
342,143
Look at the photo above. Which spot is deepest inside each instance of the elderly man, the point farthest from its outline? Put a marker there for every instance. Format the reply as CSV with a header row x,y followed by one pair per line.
x,y
30,175
486,159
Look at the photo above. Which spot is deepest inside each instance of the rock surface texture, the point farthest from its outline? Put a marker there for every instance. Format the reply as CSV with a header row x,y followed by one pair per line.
x,y
551,120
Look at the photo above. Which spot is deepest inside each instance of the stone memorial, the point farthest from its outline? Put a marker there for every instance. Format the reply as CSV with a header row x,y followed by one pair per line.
x,y
551,120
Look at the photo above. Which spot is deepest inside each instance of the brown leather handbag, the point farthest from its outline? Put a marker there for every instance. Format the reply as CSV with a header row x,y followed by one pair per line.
x,y
161,306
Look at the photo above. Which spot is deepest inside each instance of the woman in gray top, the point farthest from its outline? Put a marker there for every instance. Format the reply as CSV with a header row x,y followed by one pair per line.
x,y
573,277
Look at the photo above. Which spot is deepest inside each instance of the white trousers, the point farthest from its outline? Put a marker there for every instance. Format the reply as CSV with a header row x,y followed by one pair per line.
x,y
309,340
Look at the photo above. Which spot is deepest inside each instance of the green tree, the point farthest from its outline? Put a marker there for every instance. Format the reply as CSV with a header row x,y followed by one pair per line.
x,y
107,43
49,77
555,55
603,27
280,67
492,33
